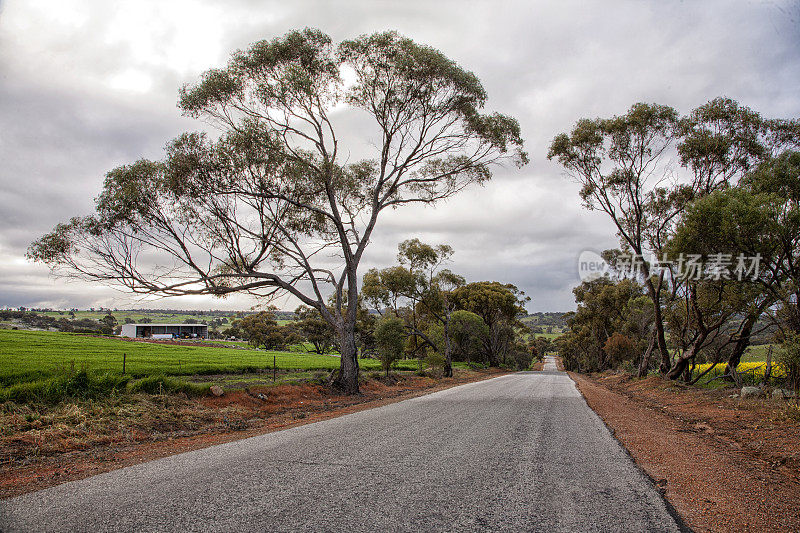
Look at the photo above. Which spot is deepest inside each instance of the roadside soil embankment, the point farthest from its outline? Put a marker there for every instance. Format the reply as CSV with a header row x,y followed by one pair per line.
x,y
725,464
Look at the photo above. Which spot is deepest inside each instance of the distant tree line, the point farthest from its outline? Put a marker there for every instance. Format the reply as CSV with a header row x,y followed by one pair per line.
x,y
30,320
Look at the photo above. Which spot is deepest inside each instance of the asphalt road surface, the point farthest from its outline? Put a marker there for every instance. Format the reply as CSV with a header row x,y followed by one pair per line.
x,y
522,452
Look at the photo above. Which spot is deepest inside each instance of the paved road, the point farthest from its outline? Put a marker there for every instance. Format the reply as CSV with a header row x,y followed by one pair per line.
x,y
521,452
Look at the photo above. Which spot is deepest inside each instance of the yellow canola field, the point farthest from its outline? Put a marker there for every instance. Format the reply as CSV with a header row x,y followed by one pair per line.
x,y
755,369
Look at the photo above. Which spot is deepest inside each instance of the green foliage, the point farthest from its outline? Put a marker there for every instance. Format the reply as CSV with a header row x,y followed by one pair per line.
x,y
491,300
469,335
541,346
625,165
500,306
390,337
388,287
315,329
66,385
788,356
86,385
262,331
603,310
269,204
435,361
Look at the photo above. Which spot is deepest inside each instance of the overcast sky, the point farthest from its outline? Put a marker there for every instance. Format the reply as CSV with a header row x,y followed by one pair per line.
x,y
89,85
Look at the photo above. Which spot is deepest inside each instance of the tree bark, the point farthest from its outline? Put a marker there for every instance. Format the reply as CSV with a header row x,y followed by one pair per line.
x,y
683,361
661,341
448,358
645,364
741,345
347,381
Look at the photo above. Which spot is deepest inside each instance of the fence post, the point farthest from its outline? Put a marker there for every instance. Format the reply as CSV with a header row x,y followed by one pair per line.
x,y
124,356
768,370
274,367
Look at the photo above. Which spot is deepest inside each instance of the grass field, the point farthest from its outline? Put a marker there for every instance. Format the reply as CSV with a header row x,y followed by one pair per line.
x,y
35,355
758,353
551,336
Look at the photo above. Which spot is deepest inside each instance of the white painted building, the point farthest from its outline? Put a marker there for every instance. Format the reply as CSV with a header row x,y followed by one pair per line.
x,y
165,331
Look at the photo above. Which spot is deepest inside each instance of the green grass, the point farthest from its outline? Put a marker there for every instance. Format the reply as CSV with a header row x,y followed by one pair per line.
x,y
551,336
758,353
28,356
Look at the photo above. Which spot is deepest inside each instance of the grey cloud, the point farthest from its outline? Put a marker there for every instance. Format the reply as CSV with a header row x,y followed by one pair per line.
x,y
548,64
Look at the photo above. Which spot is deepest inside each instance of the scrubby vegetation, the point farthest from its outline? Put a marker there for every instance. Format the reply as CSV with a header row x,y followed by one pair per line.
x,y
706,207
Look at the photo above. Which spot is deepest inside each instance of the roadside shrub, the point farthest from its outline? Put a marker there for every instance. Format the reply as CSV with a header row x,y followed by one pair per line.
x,y
390,337
435,362
620,348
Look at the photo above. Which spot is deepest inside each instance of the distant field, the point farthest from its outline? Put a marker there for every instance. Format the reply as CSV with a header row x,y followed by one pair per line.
x,y
758,353
32,355
550,336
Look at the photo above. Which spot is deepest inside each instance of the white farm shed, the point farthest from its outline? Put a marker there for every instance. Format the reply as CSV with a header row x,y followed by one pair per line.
x,y
165,331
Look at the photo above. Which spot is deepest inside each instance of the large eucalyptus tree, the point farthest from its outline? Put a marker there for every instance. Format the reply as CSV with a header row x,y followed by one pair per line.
x,y
277,203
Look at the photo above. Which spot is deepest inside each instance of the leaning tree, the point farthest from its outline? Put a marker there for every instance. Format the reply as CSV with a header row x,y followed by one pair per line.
x,y
277,203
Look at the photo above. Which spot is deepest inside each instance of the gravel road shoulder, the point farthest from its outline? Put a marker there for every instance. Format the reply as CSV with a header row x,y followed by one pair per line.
x,y
720,463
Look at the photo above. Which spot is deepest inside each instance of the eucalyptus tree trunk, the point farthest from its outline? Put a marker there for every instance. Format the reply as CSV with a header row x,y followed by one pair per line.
x,y
658,317
644,365
683,362
448,356
347,380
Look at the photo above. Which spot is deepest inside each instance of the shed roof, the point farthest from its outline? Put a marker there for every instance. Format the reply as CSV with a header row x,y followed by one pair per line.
x,y
161,324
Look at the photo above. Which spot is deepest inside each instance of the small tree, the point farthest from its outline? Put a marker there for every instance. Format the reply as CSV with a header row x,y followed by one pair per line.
x,y
262,330
499,305
541,346
469,334
390,336
315,330
619,348
108,323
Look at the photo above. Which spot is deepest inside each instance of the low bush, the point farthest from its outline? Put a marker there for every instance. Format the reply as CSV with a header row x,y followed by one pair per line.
x,y
435,361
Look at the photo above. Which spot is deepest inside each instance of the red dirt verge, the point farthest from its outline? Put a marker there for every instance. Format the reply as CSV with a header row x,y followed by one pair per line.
x,y
723,463
34,457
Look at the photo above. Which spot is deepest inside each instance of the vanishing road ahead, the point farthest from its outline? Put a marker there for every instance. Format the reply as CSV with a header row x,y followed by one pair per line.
x,y
522,452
